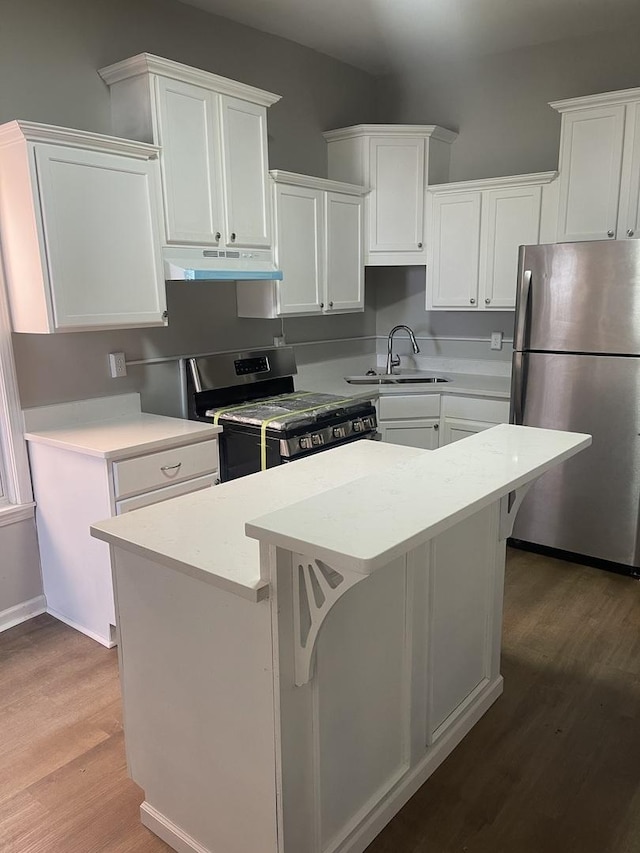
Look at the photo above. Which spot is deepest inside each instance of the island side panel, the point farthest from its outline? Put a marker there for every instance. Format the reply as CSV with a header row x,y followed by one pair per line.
x,y
197,681
405,664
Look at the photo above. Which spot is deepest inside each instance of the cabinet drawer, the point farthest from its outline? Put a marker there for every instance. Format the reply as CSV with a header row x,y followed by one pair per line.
x,y
477,409
156,470
159,495
394,407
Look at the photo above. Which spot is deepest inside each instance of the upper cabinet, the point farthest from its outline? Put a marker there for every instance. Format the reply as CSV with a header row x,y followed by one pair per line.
x,y
474,231
318,247
396,163
80,221
599,167
213,135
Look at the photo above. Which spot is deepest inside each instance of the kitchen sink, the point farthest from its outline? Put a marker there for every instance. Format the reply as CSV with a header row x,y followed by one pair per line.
x,y
392,380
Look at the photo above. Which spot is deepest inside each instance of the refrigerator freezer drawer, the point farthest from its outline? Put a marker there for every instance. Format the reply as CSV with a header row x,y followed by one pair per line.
x,y
589,504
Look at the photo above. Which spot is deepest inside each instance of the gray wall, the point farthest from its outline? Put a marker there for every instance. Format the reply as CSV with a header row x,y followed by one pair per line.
x,y
499,103
49,53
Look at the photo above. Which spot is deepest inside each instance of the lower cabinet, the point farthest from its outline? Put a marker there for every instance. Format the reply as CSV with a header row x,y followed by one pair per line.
x,y
72,491
428,421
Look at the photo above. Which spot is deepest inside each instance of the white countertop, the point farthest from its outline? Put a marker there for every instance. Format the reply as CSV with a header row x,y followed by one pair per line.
x,y
355,506
203,534
127,435
363,526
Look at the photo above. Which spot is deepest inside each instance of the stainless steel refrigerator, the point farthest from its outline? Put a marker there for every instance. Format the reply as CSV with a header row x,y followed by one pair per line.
x,y
576,366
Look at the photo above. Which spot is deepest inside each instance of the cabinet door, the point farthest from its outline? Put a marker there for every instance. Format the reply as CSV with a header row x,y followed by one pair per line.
x,y
510,218
590,162
396,218
247,213
629,218
454,247
418,433
188,132
299,239
101,222
454,429
344,252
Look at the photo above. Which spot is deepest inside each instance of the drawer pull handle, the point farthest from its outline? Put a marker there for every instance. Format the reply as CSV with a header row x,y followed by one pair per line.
x,y
171,467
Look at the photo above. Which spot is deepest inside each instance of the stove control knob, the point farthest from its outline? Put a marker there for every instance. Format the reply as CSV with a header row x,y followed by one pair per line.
x,y
339,432
316,439
358,426
305,442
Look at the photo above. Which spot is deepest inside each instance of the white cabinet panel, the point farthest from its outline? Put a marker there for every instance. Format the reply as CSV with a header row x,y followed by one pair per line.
x,y
187,131
299,241
511,219
418,433
247,212
344,252
629,218
590,163
81,222
397,195
453,429
455,249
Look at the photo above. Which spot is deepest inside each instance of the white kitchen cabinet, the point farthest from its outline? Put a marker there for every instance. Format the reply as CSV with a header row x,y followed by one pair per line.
x,y
85,472
81,230
599,167
318,247
213,134
412,433
461,416
475,229
396,163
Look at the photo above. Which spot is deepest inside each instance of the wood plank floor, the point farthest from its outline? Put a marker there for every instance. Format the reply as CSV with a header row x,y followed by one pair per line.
x,y
553,767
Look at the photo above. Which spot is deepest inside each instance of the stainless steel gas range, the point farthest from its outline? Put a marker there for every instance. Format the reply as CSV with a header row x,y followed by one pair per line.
x,y
265,421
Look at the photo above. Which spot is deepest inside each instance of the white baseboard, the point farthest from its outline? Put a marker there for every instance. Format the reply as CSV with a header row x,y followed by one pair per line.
x,y
21,612
109,641
168,831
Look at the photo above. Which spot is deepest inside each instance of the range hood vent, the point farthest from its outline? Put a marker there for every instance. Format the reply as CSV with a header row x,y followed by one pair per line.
x,y
187,264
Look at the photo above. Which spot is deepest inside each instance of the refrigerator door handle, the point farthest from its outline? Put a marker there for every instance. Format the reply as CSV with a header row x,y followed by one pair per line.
x,y
523,311
518,388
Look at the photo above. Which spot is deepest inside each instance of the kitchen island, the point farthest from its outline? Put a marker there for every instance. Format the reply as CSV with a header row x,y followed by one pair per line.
x,y
290,679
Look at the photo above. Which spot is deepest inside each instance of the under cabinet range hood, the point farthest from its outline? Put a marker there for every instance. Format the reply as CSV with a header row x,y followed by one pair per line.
x,y
187,264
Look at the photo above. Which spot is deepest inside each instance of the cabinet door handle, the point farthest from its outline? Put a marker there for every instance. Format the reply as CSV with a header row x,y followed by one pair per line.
x,y
331,305
472,301
630,232
233,236
218,236
419,245
322,304
171,467
610,233
487,301
436,426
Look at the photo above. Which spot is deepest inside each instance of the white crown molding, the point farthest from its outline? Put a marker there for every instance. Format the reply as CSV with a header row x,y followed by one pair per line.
x,y
311,182
28,131
605,99
534,179
432,131
147,63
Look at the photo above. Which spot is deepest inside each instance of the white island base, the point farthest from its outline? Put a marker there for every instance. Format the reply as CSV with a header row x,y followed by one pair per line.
x,y
292,702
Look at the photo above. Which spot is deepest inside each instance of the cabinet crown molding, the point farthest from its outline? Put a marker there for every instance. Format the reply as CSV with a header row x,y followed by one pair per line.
x,y
314,183
147,63
433,131
623,96
26,131
494,183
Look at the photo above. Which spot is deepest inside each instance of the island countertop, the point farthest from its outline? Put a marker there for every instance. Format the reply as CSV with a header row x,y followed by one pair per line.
x,y
356,505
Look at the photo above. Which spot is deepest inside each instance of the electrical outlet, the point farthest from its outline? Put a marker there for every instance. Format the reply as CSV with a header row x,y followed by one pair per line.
x,y
278,340
496,340
117,365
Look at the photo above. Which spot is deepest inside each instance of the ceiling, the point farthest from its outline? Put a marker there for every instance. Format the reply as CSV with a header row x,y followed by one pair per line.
x,y
383,36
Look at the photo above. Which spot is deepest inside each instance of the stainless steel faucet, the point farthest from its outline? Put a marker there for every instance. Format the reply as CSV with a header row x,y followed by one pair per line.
x,y
394,360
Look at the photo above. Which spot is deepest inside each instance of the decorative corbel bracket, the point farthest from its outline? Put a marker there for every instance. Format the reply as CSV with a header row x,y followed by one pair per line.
x,y
316,588
509,506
